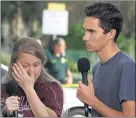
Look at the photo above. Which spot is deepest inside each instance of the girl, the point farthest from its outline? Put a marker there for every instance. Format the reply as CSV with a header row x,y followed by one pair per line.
x,y
39,94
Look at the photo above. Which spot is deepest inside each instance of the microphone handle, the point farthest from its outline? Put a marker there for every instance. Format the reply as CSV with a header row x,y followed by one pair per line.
x,y
84,80
84,77
15,113
86,110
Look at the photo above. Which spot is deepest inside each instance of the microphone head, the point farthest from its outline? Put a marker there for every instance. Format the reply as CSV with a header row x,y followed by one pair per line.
x,y
83,65
12,88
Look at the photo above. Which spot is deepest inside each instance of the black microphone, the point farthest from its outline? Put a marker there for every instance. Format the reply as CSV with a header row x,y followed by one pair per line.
x,y
12,90
83,67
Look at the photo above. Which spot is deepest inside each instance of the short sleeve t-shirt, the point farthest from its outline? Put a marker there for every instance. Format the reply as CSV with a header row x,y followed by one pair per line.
x,y
114,81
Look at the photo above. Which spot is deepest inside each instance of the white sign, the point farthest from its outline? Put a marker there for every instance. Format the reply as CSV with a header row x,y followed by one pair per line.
x,y
55,22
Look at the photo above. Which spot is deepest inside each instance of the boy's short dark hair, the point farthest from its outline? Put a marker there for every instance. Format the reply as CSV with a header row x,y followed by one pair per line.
x,y
109,15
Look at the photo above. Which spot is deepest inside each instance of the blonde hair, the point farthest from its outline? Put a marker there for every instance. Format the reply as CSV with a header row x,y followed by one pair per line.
x,y
31,46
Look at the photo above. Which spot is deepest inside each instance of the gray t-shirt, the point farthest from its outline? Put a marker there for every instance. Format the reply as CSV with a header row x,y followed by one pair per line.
x,y
114,81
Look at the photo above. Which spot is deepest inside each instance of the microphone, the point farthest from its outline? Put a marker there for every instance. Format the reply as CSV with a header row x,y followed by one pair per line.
x,y
12,90
83,67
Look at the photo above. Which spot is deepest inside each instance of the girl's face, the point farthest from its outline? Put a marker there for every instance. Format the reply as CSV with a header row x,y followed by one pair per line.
x,y
31,64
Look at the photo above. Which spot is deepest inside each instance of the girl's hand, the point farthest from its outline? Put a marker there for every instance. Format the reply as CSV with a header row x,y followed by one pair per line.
x,y
22,78
11,104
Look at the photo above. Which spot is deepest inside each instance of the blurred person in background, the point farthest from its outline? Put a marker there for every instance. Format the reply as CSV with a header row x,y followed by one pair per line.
x,y
112,90
57,61
39,94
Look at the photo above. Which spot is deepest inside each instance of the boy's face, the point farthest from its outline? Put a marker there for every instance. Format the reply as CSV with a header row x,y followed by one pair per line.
x,y
95,39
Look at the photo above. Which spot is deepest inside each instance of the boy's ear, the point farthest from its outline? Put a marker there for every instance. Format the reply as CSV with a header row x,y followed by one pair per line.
x,y
112,34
